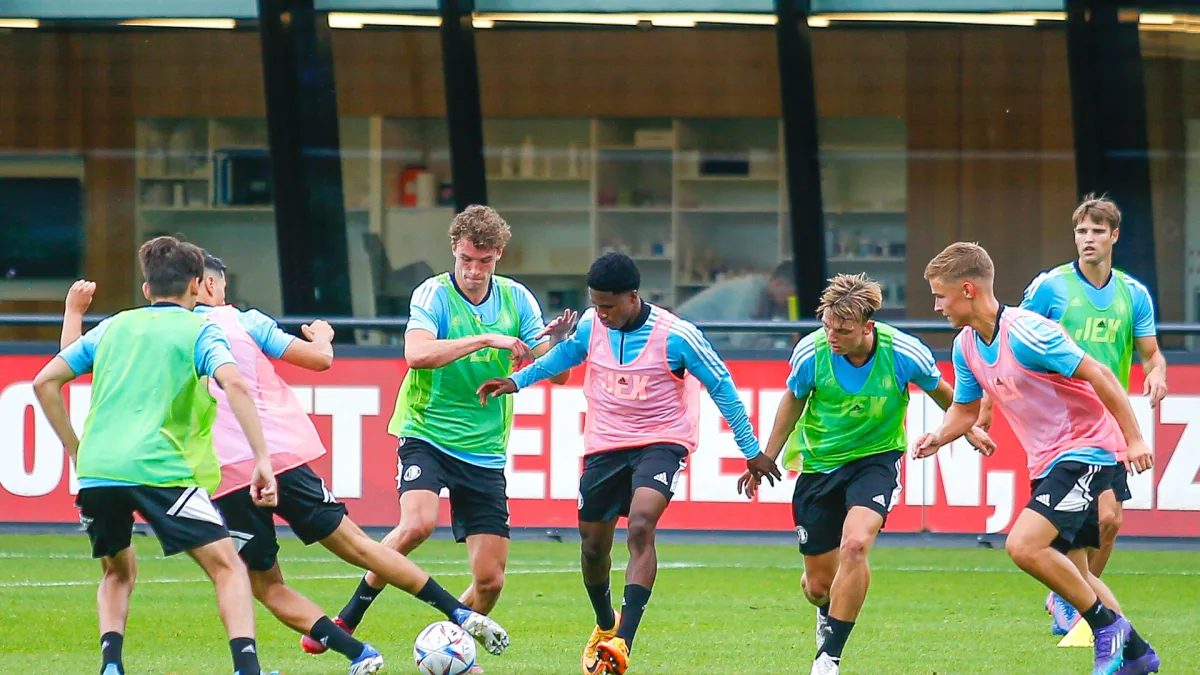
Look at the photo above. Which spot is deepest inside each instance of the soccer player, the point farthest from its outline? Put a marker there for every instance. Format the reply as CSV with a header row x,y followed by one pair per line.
x,y
147,446
841,423
1109,314
461,326
313,513
644,370
1074,420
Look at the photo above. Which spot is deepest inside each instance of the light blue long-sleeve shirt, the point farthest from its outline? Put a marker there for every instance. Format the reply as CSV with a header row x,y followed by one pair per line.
x,y
687,349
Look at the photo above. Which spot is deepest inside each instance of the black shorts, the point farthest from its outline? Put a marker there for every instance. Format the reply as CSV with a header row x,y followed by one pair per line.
x,y
1067,498
304,504
610,478
478,496
822,500
1117,481
182,518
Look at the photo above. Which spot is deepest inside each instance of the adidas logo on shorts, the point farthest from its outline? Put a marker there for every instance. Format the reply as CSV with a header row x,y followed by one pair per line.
x,y
662,477
1043,500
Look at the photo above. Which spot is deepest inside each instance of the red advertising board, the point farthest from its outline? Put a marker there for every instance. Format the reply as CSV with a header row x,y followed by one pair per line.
x,y
958,491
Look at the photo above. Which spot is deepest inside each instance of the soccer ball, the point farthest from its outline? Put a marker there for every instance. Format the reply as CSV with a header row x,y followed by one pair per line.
x,y
444,649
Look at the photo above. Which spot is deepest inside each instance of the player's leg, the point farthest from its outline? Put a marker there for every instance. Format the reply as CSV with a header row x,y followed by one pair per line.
x,y
871,486
819,514
605,493
419,480
185,520
108,518
479,517
1044,531
656,471
1112,515
253,531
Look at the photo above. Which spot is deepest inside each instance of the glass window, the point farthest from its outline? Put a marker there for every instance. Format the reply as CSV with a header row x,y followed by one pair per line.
x,y
663,143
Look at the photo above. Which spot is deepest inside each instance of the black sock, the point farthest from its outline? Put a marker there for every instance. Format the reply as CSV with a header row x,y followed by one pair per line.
x,y
632,608
245,656
364,595
110,650
601,597
824,609
1136,648
1098,616
329,634
433,594
839,632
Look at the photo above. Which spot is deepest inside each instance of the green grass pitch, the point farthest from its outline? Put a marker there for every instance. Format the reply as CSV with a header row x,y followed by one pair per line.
x,y
715,609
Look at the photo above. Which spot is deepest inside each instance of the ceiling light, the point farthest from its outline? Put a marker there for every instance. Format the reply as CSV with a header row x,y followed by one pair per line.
x,y
18,23
1156,19
220,24
597,19
936,17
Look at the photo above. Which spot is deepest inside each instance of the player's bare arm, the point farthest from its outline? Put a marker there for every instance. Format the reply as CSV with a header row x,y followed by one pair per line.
x,y
262,485
1108,388
79,298
423,350
985,413
315,352
1154,365
786,416
959,419
558,330
47,386
979,439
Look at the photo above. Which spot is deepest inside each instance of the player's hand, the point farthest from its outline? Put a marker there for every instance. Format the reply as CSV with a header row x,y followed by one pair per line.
x,y
79,297
981,441
1138,458
560,327
748,484
317,331
764,467
515,346
495,388
1155,386
926,446
263,489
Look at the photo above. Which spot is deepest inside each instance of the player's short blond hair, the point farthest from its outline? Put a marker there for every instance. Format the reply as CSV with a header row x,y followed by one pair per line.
x,y
959,261
850,298
481,226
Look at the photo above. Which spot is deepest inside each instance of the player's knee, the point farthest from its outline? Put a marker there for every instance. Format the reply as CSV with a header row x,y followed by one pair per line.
x,y
1110,523
594,550
640,534
120,573
1020,551
489,583
409,535
854,548
816,587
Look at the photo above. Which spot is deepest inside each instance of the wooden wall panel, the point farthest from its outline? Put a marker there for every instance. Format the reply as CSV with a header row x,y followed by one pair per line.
x,y
394,73
710,73
1165,96
196,73
1058,195
861,73
934,126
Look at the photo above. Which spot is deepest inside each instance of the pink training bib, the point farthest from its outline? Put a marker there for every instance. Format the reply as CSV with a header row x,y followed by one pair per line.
x,y
289,432
1050,415
641,402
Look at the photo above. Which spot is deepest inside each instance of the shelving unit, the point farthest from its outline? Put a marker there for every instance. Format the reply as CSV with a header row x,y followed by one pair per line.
x,y
694,201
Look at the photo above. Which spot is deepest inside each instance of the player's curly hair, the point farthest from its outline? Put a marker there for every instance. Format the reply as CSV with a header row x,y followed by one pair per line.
x,y
481,226
961,260
852,298
614,272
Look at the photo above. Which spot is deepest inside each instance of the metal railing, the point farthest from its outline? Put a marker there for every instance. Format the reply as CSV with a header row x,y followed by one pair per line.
x,y
397,324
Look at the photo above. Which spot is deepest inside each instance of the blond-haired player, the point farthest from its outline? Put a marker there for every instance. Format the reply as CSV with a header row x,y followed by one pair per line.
x,y
841,423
